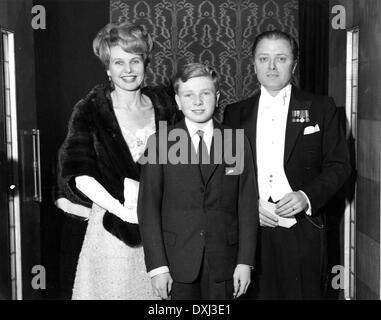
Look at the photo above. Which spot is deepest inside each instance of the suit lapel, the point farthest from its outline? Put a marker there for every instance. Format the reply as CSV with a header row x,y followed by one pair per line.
x,y
212,166
293,129
249,116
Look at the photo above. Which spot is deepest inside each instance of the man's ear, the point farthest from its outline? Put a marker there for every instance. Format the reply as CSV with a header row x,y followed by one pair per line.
x,y
217,97
178,101
294,68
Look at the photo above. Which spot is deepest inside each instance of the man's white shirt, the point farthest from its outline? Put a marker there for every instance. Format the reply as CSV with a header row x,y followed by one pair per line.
x,y
270,143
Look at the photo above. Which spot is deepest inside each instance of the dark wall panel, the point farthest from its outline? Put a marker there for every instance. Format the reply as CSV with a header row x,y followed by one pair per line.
x,y
218,32
66,70
367,15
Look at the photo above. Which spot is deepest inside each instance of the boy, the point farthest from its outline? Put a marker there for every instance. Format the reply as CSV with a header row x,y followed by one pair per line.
x,y
199,219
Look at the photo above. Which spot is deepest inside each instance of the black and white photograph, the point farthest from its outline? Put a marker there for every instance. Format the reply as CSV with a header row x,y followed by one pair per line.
x,y
190,150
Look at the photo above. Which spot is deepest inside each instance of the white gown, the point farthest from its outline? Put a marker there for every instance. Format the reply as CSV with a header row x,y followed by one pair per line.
x,y
107,268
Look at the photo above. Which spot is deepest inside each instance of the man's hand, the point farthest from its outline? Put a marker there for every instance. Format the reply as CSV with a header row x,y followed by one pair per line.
x,y
241,278
162,285
266,219
291,204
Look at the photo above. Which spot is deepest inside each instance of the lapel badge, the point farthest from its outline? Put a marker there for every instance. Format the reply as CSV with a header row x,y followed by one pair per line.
x,y
300,116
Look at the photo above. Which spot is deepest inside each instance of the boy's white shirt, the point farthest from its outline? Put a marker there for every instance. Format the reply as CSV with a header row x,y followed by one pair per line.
x,y
207,128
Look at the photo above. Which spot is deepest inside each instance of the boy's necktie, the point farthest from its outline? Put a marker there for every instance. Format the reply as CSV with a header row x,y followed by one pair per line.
x,y
203,156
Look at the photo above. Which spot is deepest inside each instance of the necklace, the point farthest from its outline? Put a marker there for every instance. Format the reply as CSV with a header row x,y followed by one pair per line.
x,y
139,142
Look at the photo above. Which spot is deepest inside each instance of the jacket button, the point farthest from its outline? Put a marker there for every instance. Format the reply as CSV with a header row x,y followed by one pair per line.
x,y
202,233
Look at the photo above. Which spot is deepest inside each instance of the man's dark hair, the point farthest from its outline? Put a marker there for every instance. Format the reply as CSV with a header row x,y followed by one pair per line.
x,y
274,35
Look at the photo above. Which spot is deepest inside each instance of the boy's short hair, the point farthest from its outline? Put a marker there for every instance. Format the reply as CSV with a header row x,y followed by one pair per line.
x,y
193,70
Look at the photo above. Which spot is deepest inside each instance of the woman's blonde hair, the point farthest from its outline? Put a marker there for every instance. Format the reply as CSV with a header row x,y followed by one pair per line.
x,y
131,38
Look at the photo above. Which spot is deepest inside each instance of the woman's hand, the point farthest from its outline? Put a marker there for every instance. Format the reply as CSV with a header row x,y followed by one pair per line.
x,y
99,195
130,214
131,191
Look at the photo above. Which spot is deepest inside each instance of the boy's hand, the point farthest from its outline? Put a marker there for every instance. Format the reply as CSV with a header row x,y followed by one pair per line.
x,y
241,278
162,285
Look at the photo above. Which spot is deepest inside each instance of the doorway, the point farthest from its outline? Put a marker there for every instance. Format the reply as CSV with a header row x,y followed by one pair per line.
x,y
351,106
19,206
10,202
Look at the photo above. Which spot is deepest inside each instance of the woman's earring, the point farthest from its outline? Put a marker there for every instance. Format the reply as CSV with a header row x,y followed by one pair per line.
x,y
111,83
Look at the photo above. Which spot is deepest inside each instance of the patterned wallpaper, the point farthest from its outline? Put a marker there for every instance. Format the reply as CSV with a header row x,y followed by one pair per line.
x,y
218,32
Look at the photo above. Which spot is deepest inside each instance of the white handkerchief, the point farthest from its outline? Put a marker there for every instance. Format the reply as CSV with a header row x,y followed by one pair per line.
x,y
282,222
311,129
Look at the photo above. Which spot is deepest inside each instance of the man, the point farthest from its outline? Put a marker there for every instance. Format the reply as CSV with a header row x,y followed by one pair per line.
x,y
301,160
197,221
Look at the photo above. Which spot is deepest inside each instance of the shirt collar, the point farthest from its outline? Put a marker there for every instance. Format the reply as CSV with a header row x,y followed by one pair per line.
x,y
280,98
207,128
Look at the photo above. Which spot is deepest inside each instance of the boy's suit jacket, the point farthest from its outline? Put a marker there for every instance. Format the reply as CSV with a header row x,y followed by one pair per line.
x,y
181,216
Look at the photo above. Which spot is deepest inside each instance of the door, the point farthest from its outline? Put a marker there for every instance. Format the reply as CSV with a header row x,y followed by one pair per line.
x,y
5,272
19,156
351,106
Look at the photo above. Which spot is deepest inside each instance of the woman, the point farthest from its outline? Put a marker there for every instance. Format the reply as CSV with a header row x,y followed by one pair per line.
x,y
98,165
